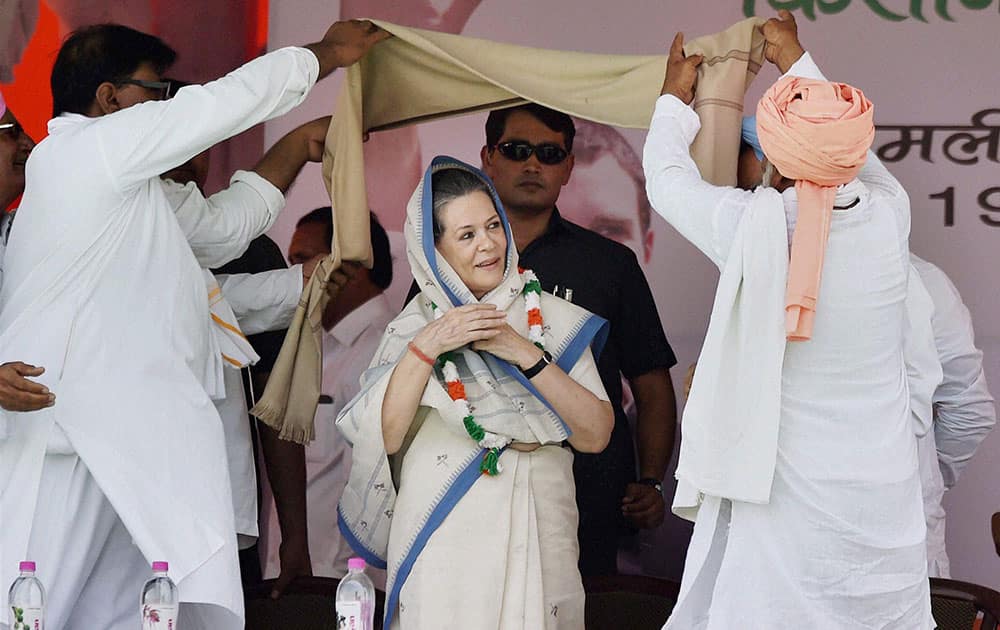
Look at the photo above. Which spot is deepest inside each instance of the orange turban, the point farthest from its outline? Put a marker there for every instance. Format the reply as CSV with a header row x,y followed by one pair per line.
x,y
817,133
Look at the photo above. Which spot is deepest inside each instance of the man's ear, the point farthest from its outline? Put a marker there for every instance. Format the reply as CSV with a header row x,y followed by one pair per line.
x,y
570,161
484,158
106,98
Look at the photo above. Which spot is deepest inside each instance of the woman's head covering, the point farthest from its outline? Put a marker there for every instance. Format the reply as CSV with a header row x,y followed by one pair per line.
x,y
817,133
435,277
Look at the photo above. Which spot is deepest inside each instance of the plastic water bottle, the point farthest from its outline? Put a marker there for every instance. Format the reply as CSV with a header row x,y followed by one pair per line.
x,y
27,600
356,598
159,600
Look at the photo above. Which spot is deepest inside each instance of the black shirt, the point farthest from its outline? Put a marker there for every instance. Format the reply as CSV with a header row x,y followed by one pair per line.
x,y
604,277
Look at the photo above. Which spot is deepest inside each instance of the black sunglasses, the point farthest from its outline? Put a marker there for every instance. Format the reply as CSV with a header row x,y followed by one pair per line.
x,y
164,87
520,151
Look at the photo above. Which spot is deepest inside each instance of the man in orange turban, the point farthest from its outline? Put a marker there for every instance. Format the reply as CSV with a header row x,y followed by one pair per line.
x,y
798,458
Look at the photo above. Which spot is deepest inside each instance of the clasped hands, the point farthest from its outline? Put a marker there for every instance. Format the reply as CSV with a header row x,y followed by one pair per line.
x,y
484,328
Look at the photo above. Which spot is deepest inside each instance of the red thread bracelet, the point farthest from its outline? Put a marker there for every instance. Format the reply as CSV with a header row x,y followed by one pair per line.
x,y
420,355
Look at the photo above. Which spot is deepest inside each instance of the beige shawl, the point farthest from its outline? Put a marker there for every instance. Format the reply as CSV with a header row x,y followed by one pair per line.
x,y
422,75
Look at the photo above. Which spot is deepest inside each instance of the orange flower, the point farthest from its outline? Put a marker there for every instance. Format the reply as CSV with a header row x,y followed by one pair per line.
x,y
534,317
456,390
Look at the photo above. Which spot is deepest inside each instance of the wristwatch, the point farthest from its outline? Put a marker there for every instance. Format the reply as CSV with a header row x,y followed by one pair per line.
x,y
655,483
533,371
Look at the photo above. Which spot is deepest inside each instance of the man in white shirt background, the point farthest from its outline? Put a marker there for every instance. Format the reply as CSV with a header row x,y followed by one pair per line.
x,y
963,409
353,323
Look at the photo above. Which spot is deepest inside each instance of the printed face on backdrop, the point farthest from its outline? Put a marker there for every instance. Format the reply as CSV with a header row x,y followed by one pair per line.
x,y
528,186
15,146
608,192
602,197
473,241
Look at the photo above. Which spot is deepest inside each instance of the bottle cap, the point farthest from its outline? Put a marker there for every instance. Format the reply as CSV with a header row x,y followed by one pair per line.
x,y
27,565
160,566
356,563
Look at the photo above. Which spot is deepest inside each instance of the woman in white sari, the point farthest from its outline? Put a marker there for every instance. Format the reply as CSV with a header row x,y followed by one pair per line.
x,y
461,485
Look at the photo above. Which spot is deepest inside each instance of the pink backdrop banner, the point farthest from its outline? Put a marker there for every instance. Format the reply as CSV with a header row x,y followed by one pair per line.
x,y
938,118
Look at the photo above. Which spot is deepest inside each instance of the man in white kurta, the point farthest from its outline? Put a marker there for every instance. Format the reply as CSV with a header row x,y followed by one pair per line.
x,y
838,543
102,288
948,391
963,410
357,320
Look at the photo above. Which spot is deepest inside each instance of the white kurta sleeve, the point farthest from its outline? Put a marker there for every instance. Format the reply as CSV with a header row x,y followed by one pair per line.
x,y
923,367
965,411
263,301
704,214
147,139
219,228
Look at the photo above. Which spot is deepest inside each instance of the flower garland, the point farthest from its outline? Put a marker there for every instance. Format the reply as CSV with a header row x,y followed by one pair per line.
x,y
492,442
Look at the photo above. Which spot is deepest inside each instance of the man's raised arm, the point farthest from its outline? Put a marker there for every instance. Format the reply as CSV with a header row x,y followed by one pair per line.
x,y
704,214
145,140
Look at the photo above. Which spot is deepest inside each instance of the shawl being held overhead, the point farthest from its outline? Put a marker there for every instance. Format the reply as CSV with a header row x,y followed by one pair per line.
x,y
504,402
421,75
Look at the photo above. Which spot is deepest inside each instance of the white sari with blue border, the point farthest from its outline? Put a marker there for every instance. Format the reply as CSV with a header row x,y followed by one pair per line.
x,y
448,467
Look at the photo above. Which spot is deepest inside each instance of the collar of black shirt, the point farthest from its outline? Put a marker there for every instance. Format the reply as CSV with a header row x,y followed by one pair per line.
x,y
556,226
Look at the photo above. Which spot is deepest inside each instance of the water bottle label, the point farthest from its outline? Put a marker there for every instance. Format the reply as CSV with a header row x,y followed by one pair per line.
x,y
27,618
159,617
349,616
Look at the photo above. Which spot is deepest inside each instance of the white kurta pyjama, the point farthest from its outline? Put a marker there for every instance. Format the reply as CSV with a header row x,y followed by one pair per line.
x,y
101,287
840,543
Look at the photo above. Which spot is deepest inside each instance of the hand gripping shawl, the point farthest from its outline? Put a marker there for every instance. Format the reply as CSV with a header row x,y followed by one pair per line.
x,y
420,75
503,401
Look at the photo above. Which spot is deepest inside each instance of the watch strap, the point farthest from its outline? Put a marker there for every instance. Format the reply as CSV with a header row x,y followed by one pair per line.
x,y
538,367
655,483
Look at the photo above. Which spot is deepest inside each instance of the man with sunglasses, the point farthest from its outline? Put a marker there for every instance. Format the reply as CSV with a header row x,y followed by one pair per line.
x,y
528,155
102,288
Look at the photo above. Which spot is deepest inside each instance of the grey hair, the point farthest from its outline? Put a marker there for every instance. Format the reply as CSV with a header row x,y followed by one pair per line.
x,y
449,184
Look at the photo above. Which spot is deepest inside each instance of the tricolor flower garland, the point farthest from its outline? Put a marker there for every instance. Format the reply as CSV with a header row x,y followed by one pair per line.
x,y
492,442
533,305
